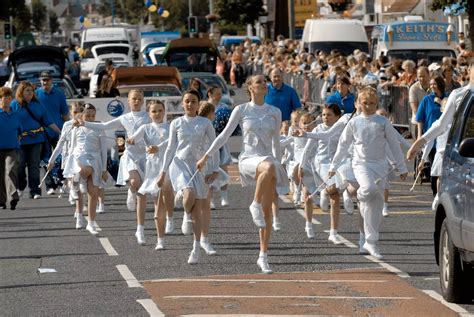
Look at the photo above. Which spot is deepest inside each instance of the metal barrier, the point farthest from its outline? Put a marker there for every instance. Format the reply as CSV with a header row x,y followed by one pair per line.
x,y
309,88
395,101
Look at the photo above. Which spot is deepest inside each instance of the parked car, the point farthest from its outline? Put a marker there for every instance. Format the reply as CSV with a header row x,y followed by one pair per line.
x,y
29,61
155,81
191,55
454,220
207,80
228,40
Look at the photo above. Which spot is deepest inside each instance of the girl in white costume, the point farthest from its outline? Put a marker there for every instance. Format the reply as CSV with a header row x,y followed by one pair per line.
x,y
345,179
325,150
370,133
214,96
132,162
188,137
155,135
88,160
207,110
259,161
63,148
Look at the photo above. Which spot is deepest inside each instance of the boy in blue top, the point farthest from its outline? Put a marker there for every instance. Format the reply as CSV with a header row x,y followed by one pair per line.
x,y
10,130
54,100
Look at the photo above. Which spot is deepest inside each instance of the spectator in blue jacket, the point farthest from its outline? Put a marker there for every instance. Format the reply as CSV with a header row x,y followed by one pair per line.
x,y
343,97
34,119
281,95
10,130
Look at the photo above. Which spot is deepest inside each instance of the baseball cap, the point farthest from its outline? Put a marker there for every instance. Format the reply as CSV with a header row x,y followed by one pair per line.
x,y
45,75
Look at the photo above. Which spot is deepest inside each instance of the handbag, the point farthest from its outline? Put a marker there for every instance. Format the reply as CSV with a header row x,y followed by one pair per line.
x,y
46,149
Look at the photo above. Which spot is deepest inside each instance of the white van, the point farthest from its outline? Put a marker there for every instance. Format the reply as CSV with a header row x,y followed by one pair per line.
x,y
328,34
95,36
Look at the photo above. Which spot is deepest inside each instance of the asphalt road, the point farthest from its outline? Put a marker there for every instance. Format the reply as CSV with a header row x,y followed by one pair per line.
x,y
112,275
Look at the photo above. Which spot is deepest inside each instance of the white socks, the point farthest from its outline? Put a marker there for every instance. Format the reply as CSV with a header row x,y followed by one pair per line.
x,y
262,255
204,239
332,232
196,245
309,224
140,227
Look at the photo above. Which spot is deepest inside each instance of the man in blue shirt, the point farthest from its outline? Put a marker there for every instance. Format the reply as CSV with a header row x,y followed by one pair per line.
x,y
281,95
54,100
10,130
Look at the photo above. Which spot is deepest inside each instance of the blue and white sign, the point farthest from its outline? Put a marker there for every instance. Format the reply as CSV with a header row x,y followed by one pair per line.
x,y
115,108
420,32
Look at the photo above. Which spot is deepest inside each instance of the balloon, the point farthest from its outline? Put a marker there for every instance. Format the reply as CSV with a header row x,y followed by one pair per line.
x,y
148,3
160,10
152,8
81,19
87,22
165,14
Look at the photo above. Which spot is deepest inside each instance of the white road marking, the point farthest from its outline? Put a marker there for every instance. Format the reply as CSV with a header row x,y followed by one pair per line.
x,y
151,307
345,242
193,280
285,199
458,309
286,297
128,276
431,278
108,247
303,214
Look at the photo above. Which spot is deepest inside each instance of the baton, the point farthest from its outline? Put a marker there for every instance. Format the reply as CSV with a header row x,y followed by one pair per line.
x,y
192,177
377,181
416,181
320,187
43,179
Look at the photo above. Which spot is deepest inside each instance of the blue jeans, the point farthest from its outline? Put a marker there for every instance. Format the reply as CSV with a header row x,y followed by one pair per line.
x,y
30,158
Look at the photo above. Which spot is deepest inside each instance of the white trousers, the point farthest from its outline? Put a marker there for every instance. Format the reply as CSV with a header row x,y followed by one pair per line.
x,y
370,196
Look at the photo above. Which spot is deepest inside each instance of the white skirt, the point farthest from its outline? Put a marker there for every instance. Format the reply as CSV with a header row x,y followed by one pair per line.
x,y
152,170
181,173
130,162
248,172
345,175
437,166
224,155
75,162
221,180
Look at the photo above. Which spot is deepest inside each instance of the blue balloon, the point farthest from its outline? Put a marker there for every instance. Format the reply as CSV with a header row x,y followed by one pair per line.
x,y
148,3
447,11
81,19
160,10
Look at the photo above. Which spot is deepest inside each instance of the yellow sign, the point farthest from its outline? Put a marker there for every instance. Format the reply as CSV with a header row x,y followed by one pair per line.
x,y
304,9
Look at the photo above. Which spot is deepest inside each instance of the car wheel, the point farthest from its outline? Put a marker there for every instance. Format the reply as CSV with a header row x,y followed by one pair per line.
x,y
451,275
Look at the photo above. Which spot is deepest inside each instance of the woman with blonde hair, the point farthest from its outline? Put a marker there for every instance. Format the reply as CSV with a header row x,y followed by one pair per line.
x,y
259,161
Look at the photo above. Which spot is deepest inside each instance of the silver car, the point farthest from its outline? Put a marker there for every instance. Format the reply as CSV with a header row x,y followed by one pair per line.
x,y
454,224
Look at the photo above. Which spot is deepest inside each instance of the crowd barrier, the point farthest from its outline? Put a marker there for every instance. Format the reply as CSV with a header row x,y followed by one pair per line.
x,y
394,99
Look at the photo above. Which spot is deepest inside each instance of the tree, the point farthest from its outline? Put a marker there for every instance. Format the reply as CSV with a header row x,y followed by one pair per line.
x,y
38,16
455,7
53,22
238,12
20,13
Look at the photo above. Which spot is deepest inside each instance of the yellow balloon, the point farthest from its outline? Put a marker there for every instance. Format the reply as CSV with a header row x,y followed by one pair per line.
x,y
165,14
87,22
152,8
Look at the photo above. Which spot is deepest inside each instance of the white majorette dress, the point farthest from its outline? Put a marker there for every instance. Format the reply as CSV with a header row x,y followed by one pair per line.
x,y
87,148
63,145
153,134
260,141
186,145
134,156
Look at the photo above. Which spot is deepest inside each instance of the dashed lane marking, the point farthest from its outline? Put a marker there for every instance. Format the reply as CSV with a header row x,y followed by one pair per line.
x,y
303,214
128,276
108,247
151,307
458,309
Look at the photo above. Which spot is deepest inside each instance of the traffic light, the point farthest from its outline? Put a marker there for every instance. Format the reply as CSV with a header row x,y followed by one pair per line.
x,y
6,31
192,24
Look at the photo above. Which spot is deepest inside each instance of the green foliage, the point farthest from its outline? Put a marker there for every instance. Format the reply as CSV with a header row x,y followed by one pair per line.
x,y
53,22
239,12
20,13
38,17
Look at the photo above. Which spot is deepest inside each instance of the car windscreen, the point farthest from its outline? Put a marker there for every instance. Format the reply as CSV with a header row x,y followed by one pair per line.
x,y
155,91
87,46
112,50
195,62
345,48
27,71
431,55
